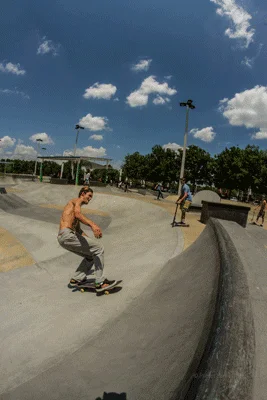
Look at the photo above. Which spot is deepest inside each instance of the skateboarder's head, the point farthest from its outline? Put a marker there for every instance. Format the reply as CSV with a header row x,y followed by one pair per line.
x,y
183,180
86,193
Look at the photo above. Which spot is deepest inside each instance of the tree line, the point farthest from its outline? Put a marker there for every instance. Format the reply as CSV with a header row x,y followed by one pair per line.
x,y
233,170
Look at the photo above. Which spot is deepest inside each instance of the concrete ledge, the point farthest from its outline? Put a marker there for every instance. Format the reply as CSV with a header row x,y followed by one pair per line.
x,y
226,369
59,181
228,212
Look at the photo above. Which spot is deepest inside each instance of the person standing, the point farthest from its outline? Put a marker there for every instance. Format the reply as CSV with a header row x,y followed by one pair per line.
x,y
87,178
158,187
184,200
261,214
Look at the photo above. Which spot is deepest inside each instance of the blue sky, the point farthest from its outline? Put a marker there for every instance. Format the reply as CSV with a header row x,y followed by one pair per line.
x,y
121,68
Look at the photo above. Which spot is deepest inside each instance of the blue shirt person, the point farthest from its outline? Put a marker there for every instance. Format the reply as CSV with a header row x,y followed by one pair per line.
x,y
185,200
186,189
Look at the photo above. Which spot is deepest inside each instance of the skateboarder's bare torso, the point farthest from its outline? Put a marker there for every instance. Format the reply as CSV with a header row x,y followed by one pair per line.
x,y
68,219
72,216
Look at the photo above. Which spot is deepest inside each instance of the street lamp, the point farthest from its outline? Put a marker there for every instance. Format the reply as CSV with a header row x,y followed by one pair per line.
x,y
188,105
77,127
41,167
38,147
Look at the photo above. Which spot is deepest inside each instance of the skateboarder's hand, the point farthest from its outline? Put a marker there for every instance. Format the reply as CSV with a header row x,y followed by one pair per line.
x,y
97,231
178,201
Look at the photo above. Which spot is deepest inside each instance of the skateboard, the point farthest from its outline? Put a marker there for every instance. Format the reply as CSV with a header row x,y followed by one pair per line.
x,y
90,286
181,225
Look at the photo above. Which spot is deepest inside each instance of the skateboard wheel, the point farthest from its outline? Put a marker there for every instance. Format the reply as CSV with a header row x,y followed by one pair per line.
x,y
106,292
82,290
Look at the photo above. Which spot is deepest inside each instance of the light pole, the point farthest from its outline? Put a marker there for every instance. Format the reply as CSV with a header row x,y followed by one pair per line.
x,y
188,105
77,127
41,167
38,146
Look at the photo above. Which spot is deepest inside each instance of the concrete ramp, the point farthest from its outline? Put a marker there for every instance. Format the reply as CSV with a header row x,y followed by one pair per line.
x,y
10,202
189,335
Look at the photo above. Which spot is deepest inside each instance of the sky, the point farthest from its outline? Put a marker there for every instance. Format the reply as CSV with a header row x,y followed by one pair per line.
x,y
120,69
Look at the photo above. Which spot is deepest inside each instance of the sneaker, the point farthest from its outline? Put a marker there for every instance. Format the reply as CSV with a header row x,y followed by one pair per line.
x,y
106,284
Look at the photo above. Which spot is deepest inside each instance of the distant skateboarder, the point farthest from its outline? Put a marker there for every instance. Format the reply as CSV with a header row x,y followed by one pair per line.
x,y
72,238
261,214
158,187
185,200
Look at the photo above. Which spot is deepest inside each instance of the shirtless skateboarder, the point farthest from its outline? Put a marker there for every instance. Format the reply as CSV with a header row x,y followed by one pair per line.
x,y
72,238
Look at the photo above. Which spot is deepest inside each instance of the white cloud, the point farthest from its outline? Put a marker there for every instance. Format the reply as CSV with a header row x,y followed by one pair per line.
x,y
161,100
15,92
100,91
260,135
205,134
7,141
137,99
249,109
43,136
94,123
96,137
116,99
12,68
168,77
239,18
149,86
249,62
24,152
142,65
87,151
48,46
172,146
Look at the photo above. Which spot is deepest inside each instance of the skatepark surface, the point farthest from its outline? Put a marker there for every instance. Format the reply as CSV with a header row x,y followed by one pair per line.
x,y
179,316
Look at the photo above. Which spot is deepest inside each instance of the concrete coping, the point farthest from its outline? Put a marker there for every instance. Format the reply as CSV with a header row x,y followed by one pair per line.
x,y
228,362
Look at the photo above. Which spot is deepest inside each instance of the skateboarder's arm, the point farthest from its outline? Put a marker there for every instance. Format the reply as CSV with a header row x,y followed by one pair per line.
x,y
86,221
82,218
79,229
182,197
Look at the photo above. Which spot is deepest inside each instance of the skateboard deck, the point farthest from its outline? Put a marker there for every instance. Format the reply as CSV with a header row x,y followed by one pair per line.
x,y
181,225
90,286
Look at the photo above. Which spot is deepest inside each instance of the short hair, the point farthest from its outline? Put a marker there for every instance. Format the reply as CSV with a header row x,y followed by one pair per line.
x,y
85,189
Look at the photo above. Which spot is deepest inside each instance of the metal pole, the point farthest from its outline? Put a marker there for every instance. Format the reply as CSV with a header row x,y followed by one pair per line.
x,y
184,150
75,146
35,167
74,153
77,173
41,171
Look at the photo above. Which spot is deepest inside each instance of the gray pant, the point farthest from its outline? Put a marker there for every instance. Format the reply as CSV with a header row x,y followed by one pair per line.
x,y
90,249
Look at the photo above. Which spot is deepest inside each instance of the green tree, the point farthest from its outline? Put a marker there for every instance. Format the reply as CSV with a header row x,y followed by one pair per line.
x,y
135,166
164,165
199,166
